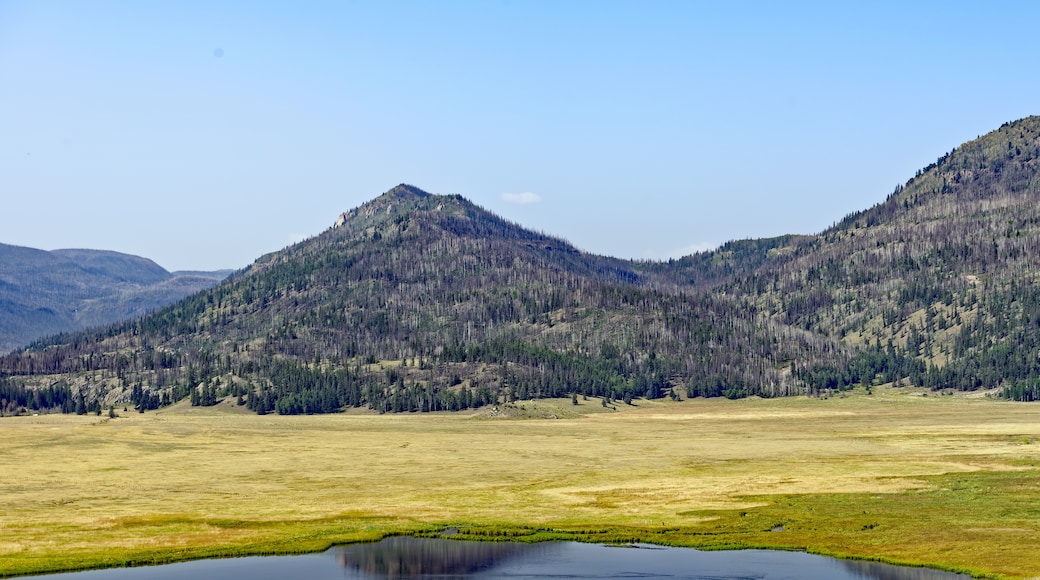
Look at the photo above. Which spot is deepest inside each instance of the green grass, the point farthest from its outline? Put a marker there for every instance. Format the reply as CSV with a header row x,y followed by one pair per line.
x,y
942,481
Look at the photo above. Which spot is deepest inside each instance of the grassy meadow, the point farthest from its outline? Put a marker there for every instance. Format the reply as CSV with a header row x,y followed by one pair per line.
x,y
943,481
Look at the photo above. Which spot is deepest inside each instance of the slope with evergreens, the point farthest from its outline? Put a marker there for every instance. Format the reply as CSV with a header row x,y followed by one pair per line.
x,y
944,270
424,302
427,302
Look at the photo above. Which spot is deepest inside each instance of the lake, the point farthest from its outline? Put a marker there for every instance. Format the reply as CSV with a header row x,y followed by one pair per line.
x,y
441,559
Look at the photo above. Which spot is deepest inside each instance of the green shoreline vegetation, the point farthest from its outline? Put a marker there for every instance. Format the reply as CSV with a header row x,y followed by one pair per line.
x,y
949,482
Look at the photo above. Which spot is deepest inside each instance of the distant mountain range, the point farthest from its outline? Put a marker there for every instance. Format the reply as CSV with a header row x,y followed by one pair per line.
x,y
419,302
47,292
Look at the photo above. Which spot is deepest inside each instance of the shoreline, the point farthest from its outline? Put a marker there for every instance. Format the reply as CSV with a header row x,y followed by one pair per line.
x,y
532,536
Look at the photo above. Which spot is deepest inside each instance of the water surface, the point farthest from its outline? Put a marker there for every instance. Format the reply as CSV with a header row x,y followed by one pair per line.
x,y
440,559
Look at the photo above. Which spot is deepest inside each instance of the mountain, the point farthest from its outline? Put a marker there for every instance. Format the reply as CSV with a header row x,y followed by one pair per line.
x,y
44,293
422,302
944,270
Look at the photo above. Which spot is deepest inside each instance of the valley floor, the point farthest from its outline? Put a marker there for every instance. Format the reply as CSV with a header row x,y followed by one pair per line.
x,y
944,481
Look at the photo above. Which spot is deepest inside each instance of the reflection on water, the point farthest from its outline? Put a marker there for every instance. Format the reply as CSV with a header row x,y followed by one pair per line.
x,y
427,559
405,557
875,571
440,559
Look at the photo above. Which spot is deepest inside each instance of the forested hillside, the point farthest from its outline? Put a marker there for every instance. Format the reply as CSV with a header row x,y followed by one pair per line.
x,y
427,302
945,269
420,302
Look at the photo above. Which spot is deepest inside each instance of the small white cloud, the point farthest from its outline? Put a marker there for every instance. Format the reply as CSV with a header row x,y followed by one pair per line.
x,y
524,198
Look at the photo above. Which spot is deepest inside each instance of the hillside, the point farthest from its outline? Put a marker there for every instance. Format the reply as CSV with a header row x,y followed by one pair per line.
x,y
423,302
44,293
945,269
419,302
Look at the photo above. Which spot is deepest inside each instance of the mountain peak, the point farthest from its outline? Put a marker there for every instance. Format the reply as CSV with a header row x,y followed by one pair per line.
x,y
393,199
405,191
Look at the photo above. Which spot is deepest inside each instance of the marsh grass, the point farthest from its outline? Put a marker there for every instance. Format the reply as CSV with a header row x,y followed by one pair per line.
x,y
943,481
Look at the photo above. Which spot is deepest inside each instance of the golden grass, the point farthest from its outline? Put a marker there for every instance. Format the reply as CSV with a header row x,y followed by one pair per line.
x,y
945,481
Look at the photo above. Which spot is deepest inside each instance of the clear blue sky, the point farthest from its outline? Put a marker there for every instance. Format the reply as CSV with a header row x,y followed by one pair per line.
x,y
204,134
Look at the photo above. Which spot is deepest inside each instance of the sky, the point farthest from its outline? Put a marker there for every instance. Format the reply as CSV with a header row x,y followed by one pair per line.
x,y
203,134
